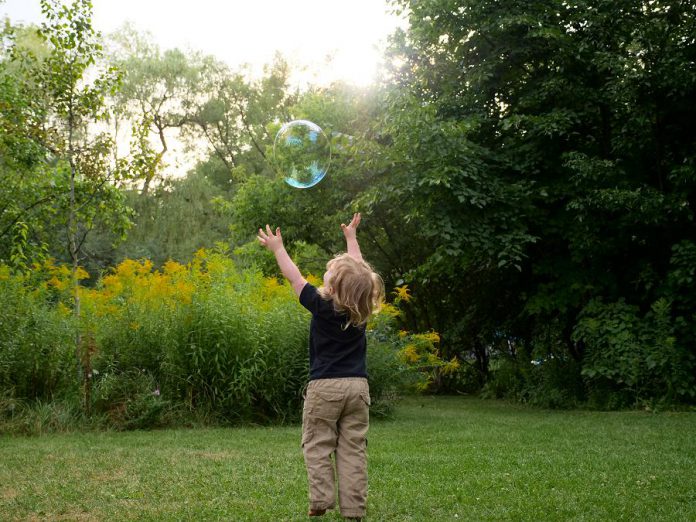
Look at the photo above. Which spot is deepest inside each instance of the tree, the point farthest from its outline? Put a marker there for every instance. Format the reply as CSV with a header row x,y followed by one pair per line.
x,y
73,97
311,216
157,96
236,115
569,126
178,217
28,186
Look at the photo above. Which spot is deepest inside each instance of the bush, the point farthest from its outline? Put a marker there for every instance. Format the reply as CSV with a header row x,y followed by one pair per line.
x,y
389,375
553,382
227,342
547,377
37,336
201,342
635,358
216,338
129,400
505,379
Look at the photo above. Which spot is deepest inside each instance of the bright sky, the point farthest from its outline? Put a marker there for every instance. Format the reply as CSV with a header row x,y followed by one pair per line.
x,y
333,39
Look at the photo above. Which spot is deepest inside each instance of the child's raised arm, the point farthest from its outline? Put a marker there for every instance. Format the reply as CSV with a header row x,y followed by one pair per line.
x,y
350,231
274,243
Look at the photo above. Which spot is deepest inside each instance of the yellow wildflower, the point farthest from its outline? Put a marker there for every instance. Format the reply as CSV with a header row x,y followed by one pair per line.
x,y
390,310
57,283
172,267
451,366
313,280
270,285
126,268
184,291
403,293
431,337
196,264
144,268
156,288
112,284
409,354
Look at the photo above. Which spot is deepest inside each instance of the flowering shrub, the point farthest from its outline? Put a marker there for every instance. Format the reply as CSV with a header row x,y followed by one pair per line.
x,y
37,344
129,400
206,338
210,336
420,351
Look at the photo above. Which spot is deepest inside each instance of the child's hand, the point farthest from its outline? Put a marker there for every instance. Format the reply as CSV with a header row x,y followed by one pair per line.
x,y
269,240
350,229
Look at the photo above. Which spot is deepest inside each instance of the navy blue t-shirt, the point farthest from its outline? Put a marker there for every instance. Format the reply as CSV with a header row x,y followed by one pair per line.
x,y
334,351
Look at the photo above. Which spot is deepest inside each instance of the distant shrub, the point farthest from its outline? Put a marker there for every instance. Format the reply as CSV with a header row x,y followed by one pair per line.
x,y
207,334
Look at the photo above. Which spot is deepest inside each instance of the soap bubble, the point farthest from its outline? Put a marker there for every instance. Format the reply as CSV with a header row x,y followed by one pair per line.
x,y
302,153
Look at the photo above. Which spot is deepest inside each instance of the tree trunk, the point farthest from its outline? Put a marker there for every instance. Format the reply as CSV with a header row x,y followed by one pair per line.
x,y
482,357
74,247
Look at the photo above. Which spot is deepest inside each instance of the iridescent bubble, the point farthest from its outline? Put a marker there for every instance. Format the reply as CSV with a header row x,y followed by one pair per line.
x,y
302,153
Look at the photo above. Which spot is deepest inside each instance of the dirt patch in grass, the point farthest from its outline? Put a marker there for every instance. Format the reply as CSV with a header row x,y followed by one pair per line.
x,y
8,493
74,516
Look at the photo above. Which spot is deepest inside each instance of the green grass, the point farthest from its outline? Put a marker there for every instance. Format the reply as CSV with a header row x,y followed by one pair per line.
x,y
441,458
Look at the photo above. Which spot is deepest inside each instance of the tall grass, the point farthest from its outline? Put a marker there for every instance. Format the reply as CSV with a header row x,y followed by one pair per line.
x,y
206,340
37,344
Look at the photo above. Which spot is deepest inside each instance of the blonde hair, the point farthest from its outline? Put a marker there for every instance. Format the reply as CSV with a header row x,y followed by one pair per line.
x,y
355,288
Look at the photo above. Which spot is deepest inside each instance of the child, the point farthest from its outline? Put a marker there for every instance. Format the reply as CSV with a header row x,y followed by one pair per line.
x,y
335,417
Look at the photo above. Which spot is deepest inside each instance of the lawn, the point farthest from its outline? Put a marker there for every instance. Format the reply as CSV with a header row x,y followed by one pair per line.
x,y
442,458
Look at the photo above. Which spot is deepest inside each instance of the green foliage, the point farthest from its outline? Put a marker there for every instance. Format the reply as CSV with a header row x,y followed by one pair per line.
x,y
206,340
160,219
571,131
638,354
212,337
680,288
554,382
130,399
55,166
28,187
42,417
37,345
389,377
506,380
538,375
527,169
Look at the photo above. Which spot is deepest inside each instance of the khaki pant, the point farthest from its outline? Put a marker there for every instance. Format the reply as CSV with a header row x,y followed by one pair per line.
x,y
335,421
